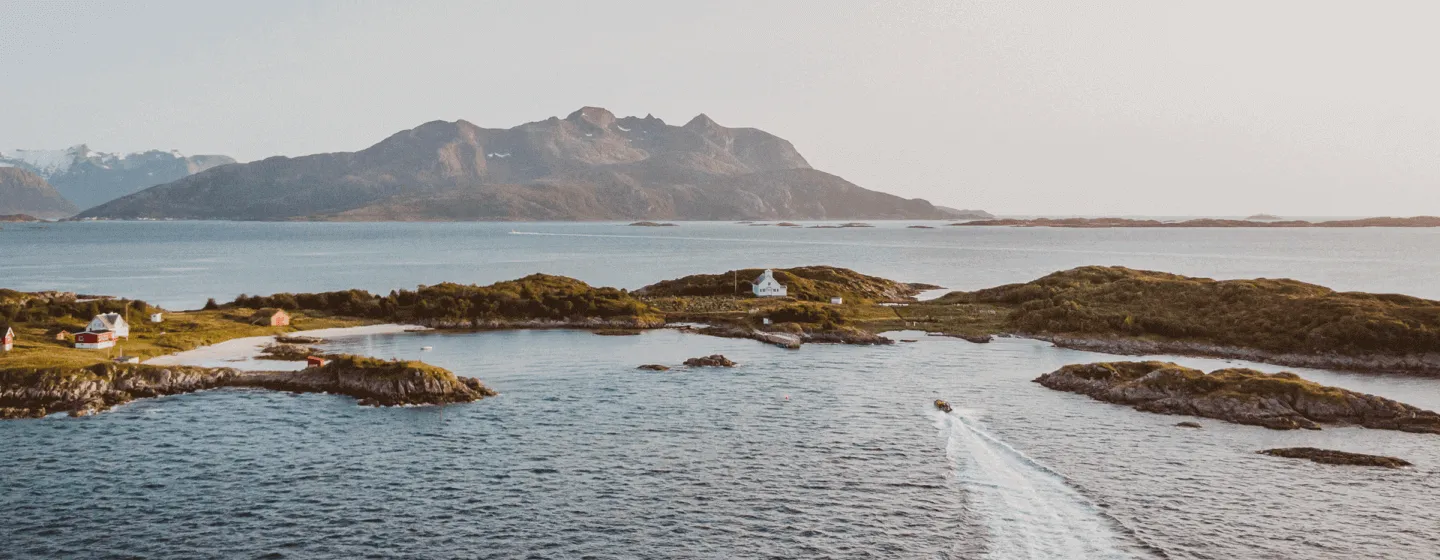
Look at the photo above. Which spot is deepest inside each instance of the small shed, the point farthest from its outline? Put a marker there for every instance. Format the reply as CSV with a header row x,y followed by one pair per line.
x,y
837,300
95,340
7,341
271,316
157,317
314,361
63,335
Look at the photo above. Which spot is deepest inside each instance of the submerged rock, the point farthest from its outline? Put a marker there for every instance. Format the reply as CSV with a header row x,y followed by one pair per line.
x,y
713,360
654,367
1281,401
1189,425
1330,457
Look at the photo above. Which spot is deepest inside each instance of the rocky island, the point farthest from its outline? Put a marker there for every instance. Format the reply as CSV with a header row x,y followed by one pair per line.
x,y
82,391
1281,401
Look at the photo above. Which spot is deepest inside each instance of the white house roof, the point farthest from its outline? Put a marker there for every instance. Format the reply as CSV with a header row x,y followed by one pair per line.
x,y
767,275
109,320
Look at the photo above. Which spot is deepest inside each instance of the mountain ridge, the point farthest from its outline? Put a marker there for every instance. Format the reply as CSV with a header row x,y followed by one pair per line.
x,y
589,165
89,178
23,192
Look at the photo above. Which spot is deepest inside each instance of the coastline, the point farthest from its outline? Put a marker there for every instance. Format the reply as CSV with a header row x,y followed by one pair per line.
x,y
239,353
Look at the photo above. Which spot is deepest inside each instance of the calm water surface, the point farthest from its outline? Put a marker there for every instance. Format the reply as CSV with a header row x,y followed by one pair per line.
x,y
582,456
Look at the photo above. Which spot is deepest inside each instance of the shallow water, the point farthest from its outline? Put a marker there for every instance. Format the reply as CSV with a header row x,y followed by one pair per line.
x,y
583,456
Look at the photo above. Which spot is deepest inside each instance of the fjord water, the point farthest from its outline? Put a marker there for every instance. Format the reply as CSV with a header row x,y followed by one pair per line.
x,y
583,456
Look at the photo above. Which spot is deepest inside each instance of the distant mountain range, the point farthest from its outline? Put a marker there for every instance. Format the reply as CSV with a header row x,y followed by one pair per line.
x,y
587,166
89,178
23,192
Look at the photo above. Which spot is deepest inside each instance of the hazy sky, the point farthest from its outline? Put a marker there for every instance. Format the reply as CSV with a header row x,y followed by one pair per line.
x,y
1058,107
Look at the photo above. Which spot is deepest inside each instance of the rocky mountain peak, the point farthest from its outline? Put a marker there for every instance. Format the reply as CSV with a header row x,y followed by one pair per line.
x,y
703,122
597,116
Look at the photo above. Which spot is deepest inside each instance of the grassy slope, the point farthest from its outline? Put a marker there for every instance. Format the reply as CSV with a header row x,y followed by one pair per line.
x,y
1270,315
180,331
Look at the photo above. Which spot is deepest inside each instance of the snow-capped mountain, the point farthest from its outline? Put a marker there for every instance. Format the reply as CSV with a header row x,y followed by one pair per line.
x,y
89,178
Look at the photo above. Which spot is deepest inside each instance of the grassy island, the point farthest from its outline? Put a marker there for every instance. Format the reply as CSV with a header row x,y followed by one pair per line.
x,y
1281,401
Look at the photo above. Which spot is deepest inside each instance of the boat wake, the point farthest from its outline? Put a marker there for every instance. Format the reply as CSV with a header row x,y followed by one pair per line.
x,y
1030,511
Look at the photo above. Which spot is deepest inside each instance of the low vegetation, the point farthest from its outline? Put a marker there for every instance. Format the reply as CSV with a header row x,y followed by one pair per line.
x,y
1271,315
534,297
807,283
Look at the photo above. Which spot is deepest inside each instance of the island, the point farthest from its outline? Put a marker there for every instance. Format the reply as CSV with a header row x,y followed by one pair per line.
x,y
653,224
83,391
1115,310
1280,401
1415,221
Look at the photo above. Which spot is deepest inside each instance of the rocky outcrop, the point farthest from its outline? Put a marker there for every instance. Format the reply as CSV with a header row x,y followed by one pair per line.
x,y
1281,401
1425,364
375,382
654,367
288,352
1330,457
1189,425
587,323
34,393
713,360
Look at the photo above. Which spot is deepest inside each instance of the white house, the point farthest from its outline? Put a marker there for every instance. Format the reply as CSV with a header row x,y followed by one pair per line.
x,y
112,322
7,340
767,286
837,300
157,317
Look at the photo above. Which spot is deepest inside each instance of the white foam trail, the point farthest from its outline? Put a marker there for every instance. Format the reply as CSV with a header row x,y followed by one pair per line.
x,y
1029,510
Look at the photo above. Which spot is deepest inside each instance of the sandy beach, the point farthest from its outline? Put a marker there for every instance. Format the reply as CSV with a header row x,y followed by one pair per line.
x,y
240,353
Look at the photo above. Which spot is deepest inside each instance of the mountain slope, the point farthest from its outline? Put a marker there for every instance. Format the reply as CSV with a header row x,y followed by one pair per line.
x,y
587,166
90,178
23,192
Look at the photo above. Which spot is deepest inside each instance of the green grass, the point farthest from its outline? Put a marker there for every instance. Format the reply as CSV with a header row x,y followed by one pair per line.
x,y
36,348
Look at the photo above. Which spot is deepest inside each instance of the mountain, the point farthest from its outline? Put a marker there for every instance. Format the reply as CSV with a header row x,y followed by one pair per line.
x,y
587,166
962,214
90,178
23,192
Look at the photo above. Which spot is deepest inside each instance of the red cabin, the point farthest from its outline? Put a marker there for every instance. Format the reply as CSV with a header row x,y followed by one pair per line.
x,y
95,340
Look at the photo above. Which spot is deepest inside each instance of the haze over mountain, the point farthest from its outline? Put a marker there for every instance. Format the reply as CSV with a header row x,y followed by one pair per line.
x,y
587,166
23,192
88,178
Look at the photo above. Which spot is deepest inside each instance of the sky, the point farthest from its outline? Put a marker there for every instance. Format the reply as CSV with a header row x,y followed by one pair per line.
x,y
1122,107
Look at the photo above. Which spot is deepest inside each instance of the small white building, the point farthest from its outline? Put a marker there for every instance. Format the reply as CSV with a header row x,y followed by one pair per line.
x,y
157,317
766,285
837,300
7,340
112,322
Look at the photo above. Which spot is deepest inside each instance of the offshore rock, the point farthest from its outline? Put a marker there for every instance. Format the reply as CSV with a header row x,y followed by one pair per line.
x,y
1330,457
713,360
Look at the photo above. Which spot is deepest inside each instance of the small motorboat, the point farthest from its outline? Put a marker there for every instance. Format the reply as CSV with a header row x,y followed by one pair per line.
x,y
426,348
942,405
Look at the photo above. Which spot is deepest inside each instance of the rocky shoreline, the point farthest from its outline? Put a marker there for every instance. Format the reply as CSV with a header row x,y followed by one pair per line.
x,y
35,393
1280,401
1418,364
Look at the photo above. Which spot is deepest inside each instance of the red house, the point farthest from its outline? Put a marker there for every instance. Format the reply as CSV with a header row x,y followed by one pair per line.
x,y
314,361
271,317
8,341
95,340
